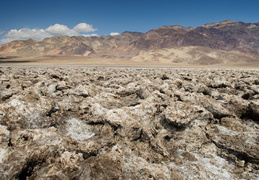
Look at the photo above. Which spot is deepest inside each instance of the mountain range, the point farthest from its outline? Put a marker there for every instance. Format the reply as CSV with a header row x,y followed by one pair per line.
x,y
226,42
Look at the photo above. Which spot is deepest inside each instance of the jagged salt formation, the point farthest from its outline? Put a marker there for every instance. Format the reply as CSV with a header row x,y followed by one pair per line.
x,y
107,123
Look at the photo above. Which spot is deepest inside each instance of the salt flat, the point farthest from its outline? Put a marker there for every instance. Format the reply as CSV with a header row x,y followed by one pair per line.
x,y
126,122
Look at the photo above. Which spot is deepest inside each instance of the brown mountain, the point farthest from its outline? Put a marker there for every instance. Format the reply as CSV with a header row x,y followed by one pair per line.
x,y
216,43
226,35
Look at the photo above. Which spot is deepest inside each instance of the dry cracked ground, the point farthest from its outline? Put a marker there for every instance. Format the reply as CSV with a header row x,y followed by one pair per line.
x,y
126,123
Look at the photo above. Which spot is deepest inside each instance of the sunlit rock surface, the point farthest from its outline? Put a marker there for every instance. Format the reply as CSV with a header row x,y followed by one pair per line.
x,y
119,123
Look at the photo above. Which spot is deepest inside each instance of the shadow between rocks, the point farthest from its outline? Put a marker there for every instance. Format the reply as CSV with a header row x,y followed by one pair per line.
x,y
6,61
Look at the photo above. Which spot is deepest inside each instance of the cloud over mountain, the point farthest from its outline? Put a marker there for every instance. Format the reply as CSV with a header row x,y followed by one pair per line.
x,y
53,30
83,27
59,30
25,33
114,34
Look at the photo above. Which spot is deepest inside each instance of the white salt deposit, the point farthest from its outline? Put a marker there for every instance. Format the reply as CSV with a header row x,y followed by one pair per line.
x,y
226,131
252,139
78,130
98,109
16,102
213,168
46,136
216,166
2,154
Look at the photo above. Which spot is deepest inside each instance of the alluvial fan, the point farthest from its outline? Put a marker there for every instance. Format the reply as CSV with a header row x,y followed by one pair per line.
x,y
128,123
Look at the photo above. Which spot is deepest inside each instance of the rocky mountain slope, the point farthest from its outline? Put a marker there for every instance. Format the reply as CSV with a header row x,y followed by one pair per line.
x,y
101,123
215,43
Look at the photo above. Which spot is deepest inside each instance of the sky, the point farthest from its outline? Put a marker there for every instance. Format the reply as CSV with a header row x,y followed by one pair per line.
x,y
38,19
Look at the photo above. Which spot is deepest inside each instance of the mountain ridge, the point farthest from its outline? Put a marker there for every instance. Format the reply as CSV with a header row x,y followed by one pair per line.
x,y
237,38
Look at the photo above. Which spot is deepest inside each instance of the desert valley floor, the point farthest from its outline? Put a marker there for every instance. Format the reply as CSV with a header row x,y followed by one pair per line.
x,y
129,123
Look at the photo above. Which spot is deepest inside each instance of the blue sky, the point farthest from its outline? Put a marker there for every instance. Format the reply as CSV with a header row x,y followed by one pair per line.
x,y
22,19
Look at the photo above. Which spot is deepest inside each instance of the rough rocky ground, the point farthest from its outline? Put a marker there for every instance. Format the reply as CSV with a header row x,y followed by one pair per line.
x,y
108,123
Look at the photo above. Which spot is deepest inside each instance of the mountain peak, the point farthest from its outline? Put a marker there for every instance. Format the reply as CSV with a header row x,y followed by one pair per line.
x,y
175,27
30,42
220,24
131,33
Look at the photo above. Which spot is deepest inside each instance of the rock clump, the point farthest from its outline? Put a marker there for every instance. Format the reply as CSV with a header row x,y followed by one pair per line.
x,y
121,123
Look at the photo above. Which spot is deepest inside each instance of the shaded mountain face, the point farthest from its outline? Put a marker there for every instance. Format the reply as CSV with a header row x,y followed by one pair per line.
x,y
227,35
238,38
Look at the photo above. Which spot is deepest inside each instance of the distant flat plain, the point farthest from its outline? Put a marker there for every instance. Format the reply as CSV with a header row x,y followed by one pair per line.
x,y
105,62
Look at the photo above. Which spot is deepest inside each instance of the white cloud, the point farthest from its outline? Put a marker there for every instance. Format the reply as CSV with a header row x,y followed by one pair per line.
x,y
61,30
114,34
40,34
26,33
89,35
83,27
